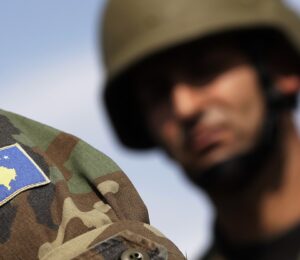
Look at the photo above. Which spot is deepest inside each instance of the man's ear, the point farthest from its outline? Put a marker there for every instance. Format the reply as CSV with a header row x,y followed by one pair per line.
x,y
288,84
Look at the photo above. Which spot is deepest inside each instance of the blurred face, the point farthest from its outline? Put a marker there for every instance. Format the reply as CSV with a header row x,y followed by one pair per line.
x,y
202,106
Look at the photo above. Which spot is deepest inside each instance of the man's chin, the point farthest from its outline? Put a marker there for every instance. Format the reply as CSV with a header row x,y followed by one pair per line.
x,y
230,174
208,175
236,172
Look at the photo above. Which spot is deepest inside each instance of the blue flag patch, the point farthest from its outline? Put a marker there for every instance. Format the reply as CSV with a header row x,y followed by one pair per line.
x,y
18,172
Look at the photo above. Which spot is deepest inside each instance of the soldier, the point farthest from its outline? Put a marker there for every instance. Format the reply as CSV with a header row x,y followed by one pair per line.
x,y
62,199
214,84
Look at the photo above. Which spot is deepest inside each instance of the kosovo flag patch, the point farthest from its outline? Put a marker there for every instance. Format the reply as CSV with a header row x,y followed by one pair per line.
x,y
18,172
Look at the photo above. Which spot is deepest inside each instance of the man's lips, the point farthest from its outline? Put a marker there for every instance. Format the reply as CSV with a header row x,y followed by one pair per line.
x,y
202,140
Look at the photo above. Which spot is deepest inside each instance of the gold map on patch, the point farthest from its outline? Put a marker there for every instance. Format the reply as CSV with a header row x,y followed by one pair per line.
x,y
7,176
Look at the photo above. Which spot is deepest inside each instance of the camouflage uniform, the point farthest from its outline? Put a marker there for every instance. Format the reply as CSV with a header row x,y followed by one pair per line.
x,y
87,209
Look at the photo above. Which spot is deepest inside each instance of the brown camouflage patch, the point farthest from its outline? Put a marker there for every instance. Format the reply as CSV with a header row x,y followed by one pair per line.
x,y
25,219
59,151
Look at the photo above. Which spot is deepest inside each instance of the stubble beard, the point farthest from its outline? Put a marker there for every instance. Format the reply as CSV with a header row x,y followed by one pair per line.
x,y
241,171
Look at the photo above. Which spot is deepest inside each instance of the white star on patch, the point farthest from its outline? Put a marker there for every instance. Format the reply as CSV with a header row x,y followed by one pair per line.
x,y
5,157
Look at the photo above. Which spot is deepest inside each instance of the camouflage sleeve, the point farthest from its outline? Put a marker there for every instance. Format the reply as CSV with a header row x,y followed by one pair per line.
x,y
62,199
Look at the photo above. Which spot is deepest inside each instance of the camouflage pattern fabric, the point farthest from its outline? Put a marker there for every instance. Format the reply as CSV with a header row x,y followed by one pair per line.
x,y
88,210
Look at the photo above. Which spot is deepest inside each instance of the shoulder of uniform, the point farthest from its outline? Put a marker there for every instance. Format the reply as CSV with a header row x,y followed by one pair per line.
x,y
80,155
28,131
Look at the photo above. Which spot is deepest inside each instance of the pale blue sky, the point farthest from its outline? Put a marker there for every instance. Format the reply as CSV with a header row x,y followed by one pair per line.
x,y
49,71
33,30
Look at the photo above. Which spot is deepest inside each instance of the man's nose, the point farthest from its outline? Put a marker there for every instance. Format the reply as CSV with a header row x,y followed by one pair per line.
x,y
187,100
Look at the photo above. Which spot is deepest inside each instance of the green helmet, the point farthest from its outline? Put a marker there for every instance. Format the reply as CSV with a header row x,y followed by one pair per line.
x,y
136,29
